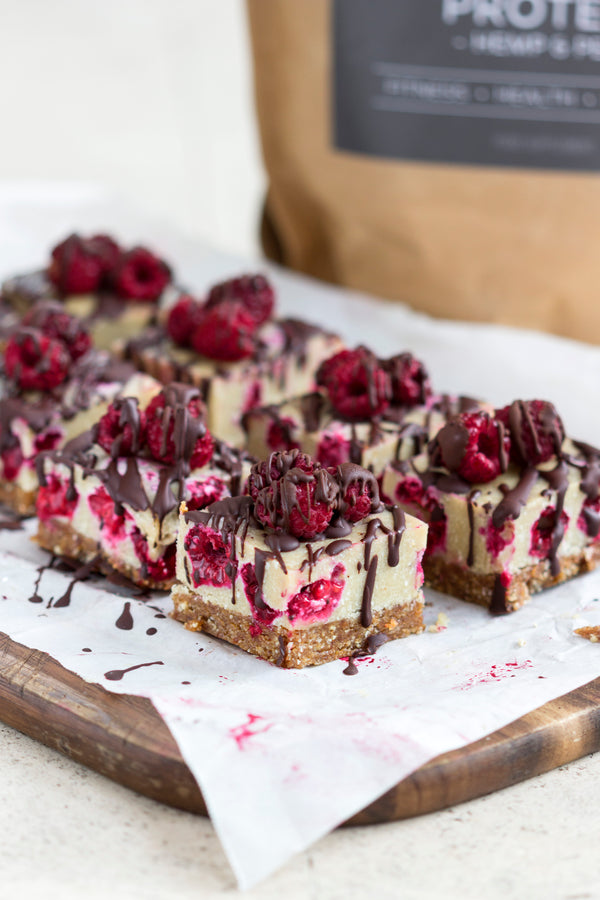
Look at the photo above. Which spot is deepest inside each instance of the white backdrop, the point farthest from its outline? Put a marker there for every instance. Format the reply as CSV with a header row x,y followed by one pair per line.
x,y
152,98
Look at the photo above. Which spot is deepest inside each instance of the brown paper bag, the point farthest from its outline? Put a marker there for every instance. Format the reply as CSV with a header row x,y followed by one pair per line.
x,y
442,152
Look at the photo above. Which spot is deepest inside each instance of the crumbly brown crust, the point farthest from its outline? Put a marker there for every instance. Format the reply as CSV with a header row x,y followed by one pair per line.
x,y
590,633
59,538
293,648
474,587
14,497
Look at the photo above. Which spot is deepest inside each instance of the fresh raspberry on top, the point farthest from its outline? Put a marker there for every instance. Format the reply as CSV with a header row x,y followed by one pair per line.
x,y
359,492
140,275
262,474
301,501
75,266
535,428
225,332
410,380
121,428
106,249
54,322
254,291
35,361
475,446
175,428
358,386
183,320
280,434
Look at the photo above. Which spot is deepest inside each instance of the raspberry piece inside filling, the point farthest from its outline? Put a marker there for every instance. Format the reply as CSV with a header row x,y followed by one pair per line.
x,y
317,600
209,557
262,613
52,499
546,532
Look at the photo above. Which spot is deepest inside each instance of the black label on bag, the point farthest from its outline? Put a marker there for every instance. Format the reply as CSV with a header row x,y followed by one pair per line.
x,y
489,82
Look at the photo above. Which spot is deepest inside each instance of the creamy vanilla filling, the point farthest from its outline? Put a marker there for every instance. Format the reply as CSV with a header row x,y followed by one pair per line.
x,y
349,565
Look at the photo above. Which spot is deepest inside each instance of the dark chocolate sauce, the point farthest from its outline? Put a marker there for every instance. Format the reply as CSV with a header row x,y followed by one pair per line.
x,y
117,674
125,620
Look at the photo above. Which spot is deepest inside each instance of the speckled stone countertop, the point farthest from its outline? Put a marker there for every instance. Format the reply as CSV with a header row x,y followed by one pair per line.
x,y
70,833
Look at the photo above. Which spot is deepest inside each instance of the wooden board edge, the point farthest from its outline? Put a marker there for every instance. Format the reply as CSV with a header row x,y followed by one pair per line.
x,y
123,738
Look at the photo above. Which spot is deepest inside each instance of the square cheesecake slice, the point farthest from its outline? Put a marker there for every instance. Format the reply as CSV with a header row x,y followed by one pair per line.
x,y
310,423
513,506
54,387
116,291
111,496
303,600
232,348
368,411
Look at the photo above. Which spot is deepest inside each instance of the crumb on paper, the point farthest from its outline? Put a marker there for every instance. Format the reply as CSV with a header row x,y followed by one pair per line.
x,y
590,633
441,624
521,642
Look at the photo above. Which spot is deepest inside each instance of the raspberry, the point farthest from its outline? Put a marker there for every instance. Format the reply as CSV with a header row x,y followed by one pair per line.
x,y
410,490
301,501
410,380
175,428
475,446
535,428
279,434
183,320
47,440
52,499
209,557
12,460
262,474
589,517
161,569
359,490
225,332
333,450
106,249
254,292
76,267
54,322
317,600
497,539
112,525
140,275
542,533
36,362
260,612
121,428
205,492
358,386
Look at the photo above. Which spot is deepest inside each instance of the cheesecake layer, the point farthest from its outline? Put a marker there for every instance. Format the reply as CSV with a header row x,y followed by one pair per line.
x,y
289,353
497,543
311,424
270,593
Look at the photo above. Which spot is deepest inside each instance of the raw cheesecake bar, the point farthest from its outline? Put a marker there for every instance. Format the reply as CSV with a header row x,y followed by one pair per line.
x,y
54,388
232,349
513,506
112,495
369,411
116,291
304,570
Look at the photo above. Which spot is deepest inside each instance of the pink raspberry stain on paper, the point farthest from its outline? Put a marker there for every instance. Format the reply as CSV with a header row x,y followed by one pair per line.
x,y
496,673
253,726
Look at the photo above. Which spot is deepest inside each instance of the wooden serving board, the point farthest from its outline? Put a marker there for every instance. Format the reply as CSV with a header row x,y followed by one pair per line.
x,y
123,737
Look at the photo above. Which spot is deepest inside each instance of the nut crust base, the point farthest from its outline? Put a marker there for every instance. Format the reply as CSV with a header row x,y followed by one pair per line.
x,y
59,538
293,648
475,587
16,498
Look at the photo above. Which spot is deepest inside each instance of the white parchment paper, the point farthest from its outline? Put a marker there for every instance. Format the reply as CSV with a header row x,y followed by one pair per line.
x,y
282,757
